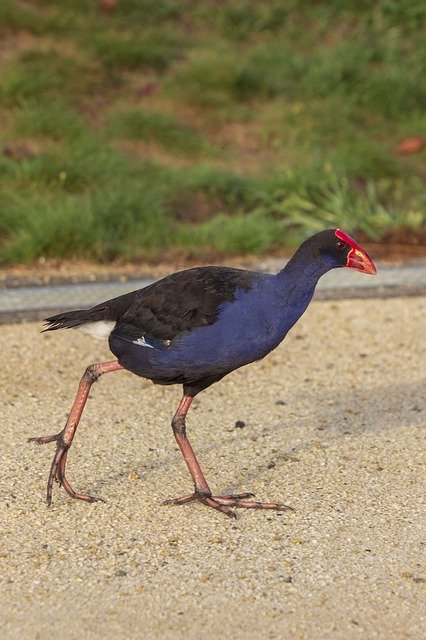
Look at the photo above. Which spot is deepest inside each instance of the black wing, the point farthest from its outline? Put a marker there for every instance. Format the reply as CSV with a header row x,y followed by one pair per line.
x,y
181,302
167,308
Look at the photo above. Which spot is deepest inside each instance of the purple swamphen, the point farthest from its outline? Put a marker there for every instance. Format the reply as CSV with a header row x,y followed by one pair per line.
x,y
193,328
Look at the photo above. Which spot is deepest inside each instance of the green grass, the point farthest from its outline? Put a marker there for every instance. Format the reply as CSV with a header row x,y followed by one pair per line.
x,y
76,225
154,126
47,75
51,118
269,120
153,49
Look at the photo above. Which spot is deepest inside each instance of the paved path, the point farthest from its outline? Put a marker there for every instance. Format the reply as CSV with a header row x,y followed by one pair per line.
x,y
32,302
332,426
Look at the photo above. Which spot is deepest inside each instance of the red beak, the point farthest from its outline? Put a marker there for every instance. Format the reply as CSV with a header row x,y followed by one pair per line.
x,y
357,258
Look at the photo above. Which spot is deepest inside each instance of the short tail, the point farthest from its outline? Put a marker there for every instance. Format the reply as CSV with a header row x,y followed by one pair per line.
x,y
67,320
108,311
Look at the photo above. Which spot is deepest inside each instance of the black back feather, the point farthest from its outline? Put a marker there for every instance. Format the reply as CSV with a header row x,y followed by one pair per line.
x,y
167,308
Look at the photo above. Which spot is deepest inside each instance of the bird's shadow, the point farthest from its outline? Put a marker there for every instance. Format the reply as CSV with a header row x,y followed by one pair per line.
x,y
366,410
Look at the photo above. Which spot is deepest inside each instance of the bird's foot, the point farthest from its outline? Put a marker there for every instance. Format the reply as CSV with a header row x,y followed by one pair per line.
x,y
222,503
57,469
45,439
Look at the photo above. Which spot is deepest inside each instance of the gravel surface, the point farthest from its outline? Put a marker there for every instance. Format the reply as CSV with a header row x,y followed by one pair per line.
x,y
329,423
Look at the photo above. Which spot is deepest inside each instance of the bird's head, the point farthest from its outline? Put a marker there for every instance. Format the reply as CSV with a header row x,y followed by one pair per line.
x,y
351,254
335,248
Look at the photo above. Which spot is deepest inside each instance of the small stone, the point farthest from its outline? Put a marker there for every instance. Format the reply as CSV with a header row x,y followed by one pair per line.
x,y
407,574
240,424
120,573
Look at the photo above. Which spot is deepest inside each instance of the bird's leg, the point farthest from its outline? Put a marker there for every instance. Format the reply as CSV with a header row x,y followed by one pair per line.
x,y
65,437
202,491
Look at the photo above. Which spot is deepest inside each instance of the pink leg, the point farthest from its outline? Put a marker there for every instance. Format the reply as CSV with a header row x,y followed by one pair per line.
x,y
65,437
202,491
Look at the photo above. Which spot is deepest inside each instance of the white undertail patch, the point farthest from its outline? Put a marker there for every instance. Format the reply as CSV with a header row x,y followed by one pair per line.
x,y
99,330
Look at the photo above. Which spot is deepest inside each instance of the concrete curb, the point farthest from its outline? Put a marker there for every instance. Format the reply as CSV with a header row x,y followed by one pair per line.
x,y
23,304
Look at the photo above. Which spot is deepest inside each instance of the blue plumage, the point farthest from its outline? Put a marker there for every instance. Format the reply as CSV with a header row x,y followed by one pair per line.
x,y
245,329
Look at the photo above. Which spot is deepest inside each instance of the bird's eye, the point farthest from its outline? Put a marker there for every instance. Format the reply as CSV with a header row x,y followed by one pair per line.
x,y
340,245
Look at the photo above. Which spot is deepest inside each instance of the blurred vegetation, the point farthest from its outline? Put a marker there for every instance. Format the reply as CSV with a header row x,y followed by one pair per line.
x,y
186,127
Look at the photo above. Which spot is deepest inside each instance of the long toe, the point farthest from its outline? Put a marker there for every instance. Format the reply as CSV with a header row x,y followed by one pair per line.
x,y
57,470
219,506
78,496
208,500
45,439
239,496
222,503
240,502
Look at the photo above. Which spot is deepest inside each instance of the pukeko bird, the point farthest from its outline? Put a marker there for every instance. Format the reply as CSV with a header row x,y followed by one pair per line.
x,y
193,328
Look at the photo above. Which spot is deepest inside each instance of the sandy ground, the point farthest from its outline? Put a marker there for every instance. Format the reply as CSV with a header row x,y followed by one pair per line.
x,y
333,426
